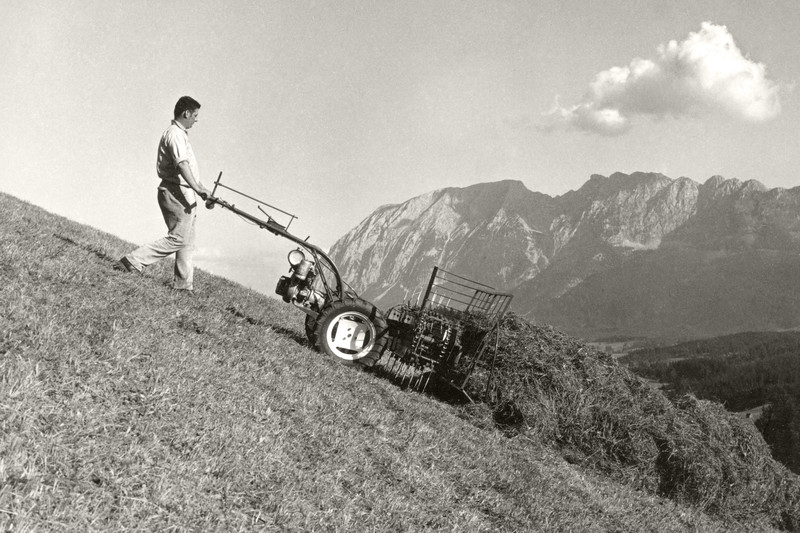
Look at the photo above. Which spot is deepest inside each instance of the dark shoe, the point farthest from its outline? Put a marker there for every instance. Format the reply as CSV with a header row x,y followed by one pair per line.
x,y
125,265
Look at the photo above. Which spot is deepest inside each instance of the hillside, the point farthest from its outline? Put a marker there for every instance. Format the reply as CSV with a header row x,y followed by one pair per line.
x,y
640,255
125,406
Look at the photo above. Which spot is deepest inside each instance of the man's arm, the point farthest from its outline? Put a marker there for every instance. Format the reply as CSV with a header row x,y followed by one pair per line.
x,y
186,173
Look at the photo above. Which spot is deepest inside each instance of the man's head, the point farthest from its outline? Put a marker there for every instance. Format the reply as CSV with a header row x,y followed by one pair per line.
x,y
186,110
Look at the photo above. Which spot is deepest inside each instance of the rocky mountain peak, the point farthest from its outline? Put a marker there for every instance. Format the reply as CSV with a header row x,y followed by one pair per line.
x,y
723,186
754,186
554,250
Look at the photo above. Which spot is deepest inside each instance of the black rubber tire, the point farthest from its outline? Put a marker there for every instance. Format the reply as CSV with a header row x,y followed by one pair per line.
x,y
361,342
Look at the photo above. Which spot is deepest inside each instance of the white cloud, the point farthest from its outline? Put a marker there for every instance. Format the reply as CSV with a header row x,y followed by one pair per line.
x,y
705,73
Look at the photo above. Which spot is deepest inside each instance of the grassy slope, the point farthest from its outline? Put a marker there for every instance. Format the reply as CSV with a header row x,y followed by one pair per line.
x,y
124,406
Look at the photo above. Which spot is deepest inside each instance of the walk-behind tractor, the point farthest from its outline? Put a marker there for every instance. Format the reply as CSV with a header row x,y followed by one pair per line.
x,y
447,334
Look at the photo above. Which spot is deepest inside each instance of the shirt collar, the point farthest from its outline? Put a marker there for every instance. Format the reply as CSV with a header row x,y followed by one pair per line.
x,y
180,126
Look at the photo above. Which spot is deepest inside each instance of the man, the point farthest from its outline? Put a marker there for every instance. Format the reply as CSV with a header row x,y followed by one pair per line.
x,y
177,198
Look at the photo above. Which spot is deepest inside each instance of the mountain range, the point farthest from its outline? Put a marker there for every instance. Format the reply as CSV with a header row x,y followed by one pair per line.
x,y
626,256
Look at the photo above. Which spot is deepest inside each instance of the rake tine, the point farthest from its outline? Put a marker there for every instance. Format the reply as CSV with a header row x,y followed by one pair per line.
x,y
401,373
427,380
419,377
413,377
409,375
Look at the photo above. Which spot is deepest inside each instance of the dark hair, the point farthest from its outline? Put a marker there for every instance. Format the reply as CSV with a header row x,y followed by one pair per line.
x,y
185,103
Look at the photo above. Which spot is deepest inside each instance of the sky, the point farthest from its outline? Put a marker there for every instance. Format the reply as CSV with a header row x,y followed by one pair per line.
x,y
329,110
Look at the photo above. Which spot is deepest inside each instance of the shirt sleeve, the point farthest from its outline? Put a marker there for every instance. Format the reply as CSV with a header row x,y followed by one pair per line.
x,y
177,147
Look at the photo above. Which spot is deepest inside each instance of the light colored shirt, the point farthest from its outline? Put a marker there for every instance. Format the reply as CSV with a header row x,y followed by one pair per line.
x,y
173,148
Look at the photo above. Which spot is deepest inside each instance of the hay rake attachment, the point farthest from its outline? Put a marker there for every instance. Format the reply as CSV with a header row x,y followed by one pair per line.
x,y
448,336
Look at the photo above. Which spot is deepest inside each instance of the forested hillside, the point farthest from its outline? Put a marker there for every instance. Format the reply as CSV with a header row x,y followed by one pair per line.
x,y
742,371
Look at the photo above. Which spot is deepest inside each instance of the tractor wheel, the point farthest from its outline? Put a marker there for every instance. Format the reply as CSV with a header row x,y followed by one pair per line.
x,y
311,329
352,331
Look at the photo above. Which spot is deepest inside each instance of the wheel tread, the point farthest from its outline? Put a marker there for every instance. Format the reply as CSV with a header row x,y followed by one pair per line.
x,y
351,304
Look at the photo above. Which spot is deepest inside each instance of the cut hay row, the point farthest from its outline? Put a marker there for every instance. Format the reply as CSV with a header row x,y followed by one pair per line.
x,y
603,416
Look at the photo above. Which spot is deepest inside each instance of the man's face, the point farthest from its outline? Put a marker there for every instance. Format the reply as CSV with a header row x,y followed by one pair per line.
x,y
190,117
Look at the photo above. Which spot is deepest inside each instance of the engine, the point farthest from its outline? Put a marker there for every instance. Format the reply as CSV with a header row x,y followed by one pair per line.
x,y
298,288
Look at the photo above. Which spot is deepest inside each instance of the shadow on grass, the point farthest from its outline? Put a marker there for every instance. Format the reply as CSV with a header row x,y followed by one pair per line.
x,y
425,382
293,335
87,247
101,254
503,415
506,416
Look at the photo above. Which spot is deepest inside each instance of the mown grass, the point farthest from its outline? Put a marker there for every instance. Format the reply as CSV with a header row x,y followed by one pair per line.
x,y
127,407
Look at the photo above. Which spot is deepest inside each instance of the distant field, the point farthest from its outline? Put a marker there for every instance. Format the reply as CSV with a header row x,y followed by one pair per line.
x,y
127,407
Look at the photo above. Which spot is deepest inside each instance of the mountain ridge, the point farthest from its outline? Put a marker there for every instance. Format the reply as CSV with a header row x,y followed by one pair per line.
x,y
552,251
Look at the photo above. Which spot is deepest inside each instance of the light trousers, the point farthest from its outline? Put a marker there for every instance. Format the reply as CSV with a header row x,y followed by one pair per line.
x,y
179,215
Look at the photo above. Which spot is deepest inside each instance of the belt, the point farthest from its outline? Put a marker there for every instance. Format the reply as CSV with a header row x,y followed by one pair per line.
x,y
165,182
